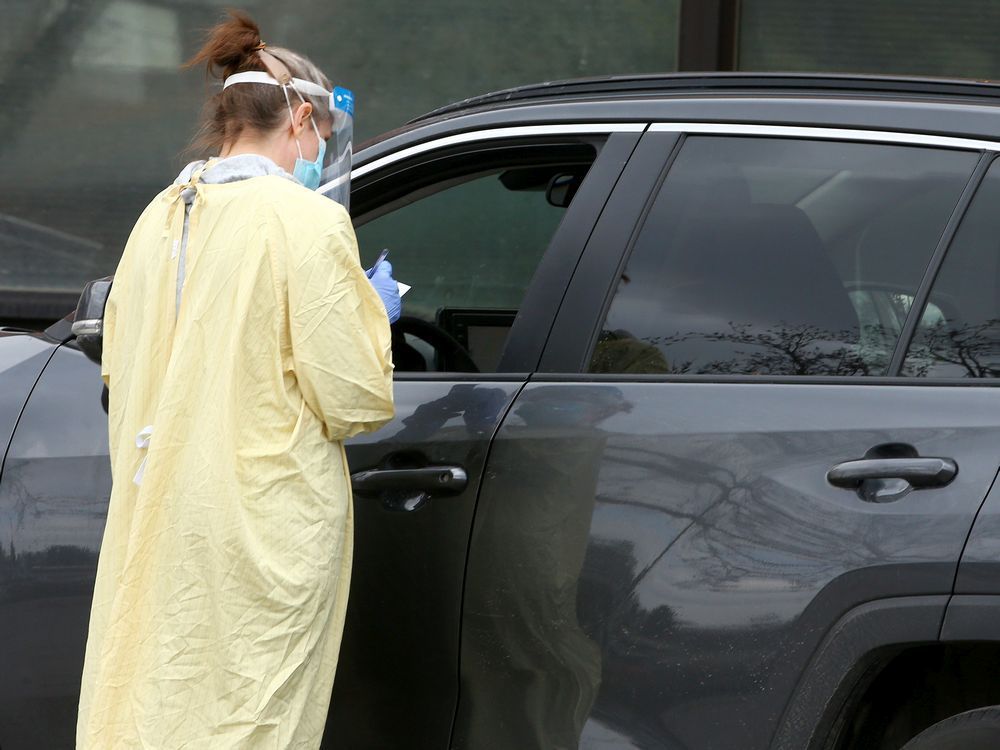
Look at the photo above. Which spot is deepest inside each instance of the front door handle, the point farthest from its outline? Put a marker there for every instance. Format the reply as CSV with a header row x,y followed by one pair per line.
x,y
918,472
434,480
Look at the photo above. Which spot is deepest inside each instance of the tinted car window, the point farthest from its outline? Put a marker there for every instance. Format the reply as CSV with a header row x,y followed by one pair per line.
x,y
469,250
959,332
764,256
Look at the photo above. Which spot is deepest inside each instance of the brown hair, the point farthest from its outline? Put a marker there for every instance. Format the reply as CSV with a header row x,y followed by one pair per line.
x,y
234,46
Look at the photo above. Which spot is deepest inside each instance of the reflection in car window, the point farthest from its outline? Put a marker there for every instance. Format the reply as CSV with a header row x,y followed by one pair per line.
x,y
764,256
469,253
959,332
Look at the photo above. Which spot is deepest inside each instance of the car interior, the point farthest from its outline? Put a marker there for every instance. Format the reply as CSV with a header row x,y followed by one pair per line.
x,y
466,233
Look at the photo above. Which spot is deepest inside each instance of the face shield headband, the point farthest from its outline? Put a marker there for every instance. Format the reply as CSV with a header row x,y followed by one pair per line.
x,y
335,177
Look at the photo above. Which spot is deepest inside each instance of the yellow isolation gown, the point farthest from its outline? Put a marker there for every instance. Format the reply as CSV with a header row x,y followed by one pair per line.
x,y
225,564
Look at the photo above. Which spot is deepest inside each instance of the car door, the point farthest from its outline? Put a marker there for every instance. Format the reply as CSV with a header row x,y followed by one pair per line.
x,y
488,246
692,491
487,253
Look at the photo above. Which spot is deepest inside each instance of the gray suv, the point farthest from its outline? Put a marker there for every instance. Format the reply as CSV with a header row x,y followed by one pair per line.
x,y
696,436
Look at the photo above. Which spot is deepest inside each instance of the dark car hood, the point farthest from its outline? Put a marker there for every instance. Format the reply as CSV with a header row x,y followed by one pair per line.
x,y
23,356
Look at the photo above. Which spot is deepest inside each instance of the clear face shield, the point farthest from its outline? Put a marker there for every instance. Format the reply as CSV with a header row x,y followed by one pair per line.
x,y
335,176
335,179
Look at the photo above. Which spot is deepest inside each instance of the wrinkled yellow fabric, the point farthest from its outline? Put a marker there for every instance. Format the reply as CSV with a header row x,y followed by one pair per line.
x,y
223,577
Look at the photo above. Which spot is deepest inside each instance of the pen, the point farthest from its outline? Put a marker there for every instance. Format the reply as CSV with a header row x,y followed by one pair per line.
x,y
381,256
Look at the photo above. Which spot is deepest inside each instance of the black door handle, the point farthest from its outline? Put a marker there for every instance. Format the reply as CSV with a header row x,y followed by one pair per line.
x,y
433,480
918,472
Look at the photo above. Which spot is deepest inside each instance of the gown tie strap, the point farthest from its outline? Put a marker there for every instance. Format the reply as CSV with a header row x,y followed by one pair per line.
x,y
142,443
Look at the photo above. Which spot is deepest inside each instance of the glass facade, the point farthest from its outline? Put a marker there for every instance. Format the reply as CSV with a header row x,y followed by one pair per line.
x,y
97,116
898,37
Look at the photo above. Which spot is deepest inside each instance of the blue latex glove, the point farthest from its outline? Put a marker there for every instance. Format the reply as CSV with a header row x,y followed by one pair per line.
x,y
388,290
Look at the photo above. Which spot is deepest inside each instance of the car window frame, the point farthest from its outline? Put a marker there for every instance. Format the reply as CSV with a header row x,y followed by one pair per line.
x,y
537,311
925,291
592,289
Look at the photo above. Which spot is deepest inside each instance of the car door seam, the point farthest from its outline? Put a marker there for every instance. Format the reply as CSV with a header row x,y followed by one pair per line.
x,y
468,551
961,554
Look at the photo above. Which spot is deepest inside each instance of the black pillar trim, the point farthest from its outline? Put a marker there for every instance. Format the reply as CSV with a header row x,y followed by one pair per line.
x,y
708,36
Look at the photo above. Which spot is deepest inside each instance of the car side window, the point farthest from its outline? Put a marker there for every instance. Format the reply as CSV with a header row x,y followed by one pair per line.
x,y
768,256
959,332
468,244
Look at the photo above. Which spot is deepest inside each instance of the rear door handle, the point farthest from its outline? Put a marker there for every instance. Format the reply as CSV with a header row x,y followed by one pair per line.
x,y
434,480
918,472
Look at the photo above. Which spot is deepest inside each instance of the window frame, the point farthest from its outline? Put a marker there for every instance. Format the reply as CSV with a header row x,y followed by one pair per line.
x,y
923,294
537,312
579,322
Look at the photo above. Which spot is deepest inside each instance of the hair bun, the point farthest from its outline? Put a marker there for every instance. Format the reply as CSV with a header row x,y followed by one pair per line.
x,y
229,46
235,46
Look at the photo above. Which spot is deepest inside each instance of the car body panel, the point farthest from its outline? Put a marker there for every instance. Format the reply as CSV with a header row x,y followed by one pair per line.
x,y
958,119
722,83
979,572
674,553
401,637
22,358
972,617
54,492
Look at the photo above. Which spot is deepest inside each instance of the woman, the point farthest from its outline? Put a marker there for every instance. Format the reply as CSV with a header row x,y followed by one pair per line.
x,y
243,343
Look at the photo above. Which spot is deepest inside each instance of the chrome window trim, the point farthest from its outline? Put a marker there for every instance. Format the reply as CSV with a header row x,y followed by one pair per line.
x,y
703,128
494,134
786,131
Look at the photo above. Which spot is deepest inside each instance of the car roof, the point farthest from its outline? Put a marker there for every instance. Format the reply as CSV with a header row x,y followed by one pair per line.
x,y
674,84
931,106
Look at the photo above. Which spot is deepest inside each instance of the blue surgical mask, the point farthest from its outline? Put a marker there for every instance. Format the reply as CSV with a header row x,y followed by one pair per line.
x,y
305,171
308,172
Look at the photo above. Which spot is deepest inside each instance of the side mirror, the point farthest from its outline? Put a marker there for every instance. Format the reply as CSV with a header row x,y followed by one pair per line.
x,y
562,188
88,326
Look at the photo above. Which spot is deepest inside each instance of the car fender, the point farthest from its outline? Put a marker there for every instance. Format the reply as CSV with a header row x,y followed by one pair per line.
x,y
22,359
849,649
